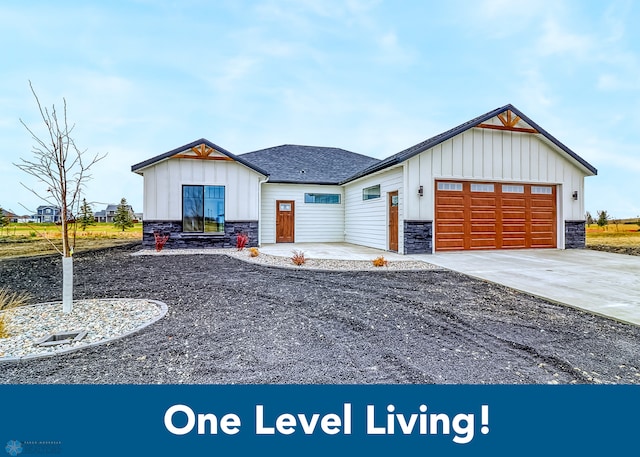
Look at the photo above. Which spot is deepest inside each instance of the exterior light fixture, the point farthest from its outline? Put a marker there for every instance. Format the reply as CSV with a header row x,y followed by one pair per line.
x,y
575,194
420,191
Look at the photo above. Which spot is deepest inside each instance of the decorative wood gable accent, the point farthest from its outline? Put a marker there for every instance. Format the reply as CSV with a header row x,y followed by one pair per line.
x,y
202,152
508,121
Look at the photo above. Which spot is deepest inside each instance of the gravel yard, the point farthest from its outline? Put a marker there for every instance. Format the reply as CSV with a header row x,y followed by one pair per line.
x,y
230,321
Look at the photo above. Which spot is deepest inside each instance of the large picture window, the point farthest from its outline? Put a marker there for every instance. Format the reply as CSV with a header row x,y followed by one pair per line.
x,y
203,209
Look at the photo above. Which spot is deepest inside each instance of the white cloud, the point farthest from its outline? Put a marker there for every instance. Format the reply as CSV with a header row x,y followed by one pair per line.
x,y
611,82
234,72
558,39
392,52
499,19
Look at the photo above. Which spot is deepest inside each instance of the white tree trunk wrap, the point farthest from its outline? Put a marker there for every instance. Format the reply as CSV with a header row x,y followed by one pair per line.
x,y
67,284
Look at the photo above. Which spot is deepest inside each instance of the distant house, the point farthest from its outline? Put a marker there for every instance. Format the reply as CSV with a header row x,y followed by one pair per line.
x,y
107,214
100,216
9,214
48,214
498,181
25,219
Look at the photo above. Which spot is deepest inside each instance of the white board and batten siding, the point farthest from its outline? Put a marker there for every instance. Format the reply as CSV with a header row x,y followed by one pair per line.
x,y
494,155
314,222
163,187
366,221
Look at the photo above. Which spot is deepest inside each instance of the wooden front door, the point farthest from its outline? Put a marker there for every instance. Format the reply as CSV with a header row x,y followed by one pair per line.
x,y
285,221
393,221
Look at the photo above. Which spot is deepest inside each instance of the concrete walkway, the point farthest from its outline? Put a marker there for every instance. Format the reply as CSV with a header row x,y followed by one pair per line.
x,y
337,251
597,282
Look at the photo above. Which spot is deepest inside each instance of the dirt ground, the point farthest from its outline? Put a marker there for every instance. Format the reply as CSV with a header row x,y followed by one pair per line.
x,y
234,322
629,250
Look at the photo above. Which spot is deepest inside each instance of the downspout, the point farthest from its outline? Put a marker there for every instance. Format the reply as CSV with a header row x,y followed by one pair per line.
x,y
260,183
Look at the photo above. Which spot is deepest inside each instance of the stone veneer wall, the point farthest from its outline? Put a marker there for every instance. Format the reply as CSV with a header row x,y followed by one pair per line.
x,y
575,234
181,240
418,237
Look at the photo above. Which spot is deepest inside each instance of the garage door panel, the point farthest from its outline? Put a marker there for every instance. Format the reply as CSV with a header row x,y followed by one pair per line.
x,y
484,229
455,244
511,202
514,216
513,229
477,202
451,200
513,219
450,214
514,243
543,203
483,243
542,217
541,242
481,216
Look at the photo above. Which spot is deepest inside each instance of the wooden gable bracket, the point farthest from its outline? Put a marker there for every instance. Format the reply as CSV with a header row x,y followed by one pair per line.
x,y
202,151
509,122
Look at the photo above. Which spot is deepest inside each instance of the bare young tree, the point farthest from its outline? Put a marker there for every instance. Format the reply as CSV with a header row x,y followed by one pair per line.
x,y
63,170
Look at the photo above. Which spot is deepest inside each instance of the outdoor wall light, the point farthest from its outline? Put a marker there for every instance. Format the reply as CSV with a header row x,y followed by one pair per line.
x,y
420,191
575,194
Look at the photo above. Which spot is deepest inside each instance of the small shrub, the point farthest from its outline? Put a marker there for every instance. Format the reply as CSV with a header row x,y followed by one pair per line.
x,y
298,258
241,241
380,262
12,299
253,252
161,240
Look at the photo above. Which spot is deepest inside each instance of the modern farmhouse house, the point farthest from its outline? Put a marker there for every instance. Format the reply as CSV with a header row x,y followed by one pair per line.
x,y
498,181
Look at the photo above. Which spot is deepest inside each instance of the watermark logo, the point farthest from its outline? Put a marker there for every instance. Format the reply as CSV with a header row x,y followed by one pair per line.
x,y
13,448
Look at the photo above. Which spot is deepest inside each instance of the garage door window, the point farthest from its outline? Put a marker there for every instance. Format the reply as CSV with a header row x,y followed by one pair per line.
x,y
511,189
455,186
541,190
475,187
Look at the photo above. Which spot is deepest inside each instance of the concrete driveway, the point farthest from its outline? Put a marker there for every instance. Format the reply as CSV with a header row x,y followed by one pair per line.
x,y
598,282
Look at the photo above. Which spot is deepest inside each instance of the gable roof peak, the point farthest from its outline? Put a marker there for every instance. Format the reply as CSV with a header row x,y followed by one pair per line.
x,y
475,122
201,148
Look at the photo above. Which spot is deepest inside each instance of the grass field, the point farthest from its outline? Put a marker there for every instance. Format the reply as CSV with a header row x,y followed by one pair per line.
x,y
623,238
614,234
18,240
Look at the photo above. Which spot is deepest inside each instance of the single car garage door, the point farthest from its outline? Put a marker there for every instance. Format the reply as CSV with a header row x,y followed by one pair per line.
x,y
486,215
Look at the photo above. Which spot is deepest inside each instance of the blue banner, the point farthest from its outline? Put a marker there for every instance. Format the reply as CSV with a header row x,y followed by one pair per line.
x,y
95,420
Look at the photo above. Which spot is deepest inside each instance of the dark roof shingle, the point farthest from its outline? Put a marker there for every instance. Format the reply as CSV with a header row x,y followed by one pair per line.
x,y
291,163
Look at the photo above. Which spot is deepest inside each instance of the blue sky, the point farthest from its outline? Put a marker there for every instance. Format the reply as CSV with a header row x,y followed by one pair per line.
x,y
143,77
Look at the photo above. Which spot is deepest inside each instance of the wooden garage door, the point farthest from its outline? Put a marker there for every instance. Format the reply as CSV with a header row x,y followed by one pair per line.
x,y
485,215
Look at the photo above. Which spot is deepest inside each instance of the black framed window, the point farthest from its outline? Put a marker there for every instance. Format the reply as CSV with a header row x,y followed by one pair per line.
x,y
203,209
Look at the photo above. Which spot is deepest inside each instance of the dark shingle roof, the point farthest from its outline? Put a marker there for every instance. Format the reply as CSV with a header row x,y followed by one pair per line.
x,y
308,164
444,136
